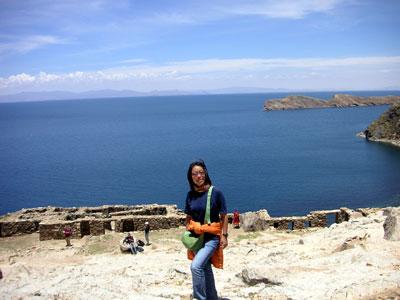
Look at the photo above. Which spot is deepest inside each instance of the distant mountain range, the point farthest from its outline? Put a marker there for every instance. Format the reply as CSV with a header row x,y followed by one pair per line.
x,y
109,93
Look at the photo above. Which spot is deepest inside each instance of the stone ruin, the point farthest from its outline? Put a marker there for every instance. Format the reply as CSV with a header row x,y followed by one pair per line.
x,y
254,221
313,219
50,221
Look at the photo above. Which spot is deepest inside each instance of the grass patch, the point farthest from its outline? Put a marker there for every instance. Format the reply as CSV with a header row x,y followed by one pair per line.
x,y
247,236
108,237
97,248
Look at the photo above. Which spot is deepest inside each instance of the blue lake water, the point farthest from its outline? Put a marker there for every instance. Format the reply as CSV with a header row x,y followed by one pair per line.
x,y
137,150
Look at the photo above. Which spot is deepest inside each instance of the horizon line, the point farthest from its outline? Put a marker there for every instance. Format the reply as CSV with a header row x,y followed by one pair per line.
x,y
171,93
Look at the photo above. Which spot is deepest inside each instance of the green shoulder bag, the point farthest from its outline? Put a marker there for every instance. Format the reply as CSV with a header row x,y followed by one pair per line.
x,y
194,241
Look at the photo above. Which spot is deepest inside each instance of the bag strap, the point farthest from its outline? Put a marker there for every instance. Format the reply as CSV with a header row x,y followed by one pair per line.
x,y
207,215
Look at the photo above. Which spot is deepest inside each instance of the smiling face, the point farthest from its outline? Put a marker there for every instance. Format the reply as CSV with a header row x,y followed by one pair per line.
x,y
198,176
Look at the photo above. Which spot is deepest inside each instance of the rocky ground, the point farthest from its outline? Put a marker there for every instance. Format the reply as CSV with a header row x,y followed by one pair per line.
x,y
350,260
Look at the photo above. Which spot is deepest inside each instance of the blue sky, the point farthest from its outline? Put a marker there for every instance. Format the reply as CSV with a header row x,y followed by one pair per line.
x,y
199,45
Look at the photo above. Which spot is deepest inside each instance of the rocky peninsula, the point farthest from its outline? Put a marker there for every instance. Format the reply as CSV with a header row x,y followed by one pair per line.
x,y
357,258
386,128
338,100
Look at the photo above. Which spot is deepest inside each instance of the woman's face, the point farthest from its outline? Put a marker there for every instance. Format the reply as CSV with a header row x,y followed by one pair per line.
x,y
198,176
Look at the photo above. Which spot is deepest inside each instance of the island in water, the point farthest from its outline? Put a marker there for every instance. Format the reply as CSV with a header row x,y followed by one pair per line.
x,y
386,128
338,100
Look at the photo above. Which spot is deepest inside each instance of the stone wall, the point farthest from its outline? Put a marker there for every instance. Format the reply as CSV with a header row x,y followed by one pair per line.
x,y
51,221
320,218
161,210
48,231
299,223
343,215
137,223
288,223
317,220
314,219
96,227
18,227
54,231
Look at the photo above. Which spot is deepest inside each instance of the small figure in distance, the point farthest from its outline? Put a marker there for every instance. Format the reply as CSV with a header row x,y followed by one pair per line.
x,y
131,241
67,234
147,233
236,219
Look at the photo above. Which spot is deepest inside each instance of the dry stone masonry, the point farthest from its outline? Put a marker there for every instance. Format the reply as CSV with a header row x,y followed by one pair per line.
x,y
259,221
50,221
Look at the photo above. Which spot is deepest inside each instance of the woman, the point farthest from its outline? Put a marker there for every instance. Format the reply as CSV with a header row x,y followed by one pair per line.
x,y
195,207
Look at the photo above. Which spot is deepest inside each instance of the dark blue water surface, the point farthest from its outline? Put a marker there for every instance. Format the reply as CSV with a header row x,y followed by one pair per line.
x,y
137,150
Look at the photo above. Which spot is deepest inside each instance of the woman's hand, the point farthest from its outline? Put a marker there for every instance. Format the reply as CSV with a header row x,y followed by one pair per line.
x,y
223,242
195,227
224,238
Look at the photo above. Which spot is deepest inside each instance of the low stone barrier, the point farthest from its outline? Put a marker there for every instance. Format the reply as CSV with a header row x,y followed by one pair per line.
x,y
124,218
48,231
299,223
54,231
343,215
142,212
288,223
320,218
317,220
96,227
18,227
137,223
313,219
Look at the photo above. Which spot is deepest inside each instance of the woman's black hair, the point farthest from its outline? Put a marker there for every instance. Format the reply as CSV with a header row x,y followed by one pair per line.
x,y
199,163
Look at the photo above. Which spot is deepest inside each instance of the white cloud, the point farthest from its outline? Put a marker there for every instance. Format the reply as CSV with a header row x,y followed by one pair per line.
x,y
21,78
29,43
185,18
251,64
204,11
221,71
137,24
290,9
133,61
44,77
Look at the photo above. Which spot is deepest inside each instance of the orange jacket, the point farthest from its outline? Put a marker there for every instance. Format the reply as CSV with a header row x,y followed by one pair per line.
x,y
217,259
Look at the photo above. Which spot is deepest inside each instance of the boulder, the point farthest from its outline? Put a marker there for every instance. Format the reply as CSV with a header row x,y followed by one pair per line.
x,y
367,211
253,277
352,242
351,214
255,221
391,225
